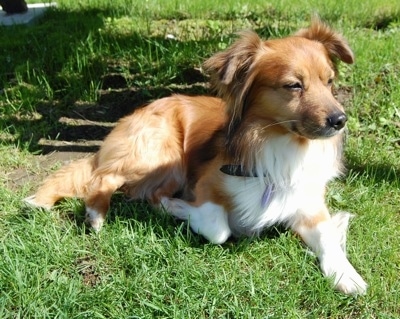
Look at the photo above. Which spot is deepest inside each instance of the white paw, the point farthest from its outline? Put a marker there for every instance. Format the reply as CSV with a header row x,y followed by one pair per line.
x,y
176,207
94,219
209,220
351,284
346,278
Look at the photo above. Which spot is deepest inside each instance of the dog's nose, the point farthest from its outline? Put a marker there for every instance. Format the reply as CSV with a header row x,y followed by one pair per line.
x,y
337,120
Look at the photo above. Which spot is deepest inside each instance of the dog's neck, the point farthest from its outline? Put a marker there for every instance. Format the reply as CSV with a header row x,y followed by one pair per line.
x,y
239,171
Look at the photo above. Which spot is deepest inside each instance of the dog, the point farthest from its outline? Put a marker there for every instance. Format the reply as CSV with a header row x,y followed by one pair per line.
x,y
260,154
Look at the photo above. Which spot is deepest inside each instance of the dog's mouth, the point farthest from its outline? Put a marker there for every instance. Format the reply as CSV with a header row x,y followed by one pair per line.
x,y
333,125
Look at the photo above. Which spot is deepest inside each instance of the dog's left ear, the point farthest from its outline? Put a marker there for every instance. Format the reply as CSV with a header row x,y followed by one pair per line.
x,y
230,74
335,44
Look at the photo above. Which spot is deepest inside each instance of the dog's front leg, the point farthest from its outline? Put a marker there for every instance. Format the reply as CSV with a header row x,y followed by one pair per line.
x,y
326,237
208,219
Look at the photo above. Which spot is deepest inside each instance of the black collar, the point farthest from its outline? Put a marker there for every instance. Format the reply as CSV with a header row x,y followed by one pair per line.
x,y
236,170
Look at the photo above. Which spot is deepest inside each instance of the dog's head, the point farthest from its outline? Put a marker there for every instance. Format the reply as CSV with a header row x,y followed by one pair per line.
x,y
284,83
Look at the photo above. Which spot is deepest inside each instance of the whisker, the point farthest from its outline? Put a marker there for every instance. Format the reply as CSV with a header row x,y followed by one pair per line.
x,y
278,123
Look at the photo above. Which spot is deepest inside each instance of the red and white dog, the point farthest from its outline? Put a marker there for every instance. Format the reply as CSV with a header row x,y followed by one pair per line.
x,y
261,155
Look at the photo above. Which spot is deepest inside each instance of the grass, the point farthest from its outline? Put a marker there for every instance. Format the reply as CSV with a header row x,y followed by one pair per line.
x,y
96,61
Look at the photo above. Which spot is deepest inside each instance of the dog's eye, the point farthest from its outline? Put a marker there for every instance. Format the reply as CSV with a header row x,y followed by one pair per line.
x,y
330,82
293,86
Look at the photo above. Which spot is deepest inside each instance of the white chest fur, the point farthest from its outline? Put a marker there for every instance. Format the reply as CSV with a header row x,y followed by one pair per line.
x,y
297,175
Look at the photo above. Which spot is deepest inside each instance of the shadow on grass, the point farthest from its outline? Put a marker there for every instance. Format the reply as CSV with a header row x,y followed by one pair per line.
x,y
378,172
63,55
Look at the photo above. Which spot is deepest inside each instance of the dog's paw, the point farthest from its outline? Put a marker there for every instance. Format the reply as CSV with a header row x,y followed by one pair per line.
x,y
94,219
176,207
346,279
351,284
209,220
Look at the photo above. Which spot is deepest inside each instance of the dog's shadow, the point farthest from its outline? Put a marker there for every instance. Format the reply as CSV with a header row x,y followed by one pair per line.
x,y
134,212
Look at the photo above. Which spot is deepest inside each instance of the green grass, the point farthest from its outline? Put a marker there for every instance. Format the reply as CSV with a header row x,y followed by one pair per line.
x,y
97,60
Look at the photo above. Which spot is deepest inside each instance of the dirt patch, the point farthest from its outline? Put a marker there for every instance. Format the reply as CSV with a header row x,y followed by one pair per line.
x,y
86,268
344,95
40,167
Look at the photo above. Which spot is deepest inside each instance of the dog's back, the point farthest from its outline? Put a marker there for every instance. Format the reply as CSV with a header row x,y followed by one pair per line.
x,y
154,152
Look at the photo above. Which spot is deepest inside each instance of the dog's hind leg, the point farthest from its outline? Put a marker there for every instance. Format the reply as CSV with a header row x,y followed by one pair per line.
x,y
209,220
98,198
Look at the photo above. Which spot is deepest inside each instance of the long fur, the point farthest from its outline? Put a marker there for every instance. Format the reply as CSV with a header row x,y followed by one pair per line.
x,y
276,120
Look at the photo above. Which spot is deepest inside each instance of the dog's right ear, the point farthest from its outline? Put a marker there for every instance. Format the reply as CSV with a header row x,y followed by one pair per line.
x,y
231,76
335,44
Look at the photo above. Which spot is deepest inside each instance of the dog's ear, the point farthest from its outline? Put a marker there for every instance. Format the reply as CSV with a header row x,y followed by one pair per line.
x,y
230,74
335,44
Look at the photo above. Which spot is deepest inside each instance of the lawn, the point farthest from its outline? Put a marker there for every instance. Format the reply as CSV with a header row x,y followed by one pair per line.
x,y
66,80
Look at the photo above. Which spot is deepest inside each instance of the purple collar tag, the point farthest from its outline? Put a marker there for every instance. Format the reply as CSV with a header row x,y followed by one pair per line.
x,y
267,195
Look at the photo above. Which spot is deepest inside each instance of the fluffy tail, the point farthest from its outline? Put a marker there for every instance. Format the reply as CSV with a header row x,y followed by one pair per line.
x,y
69,181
